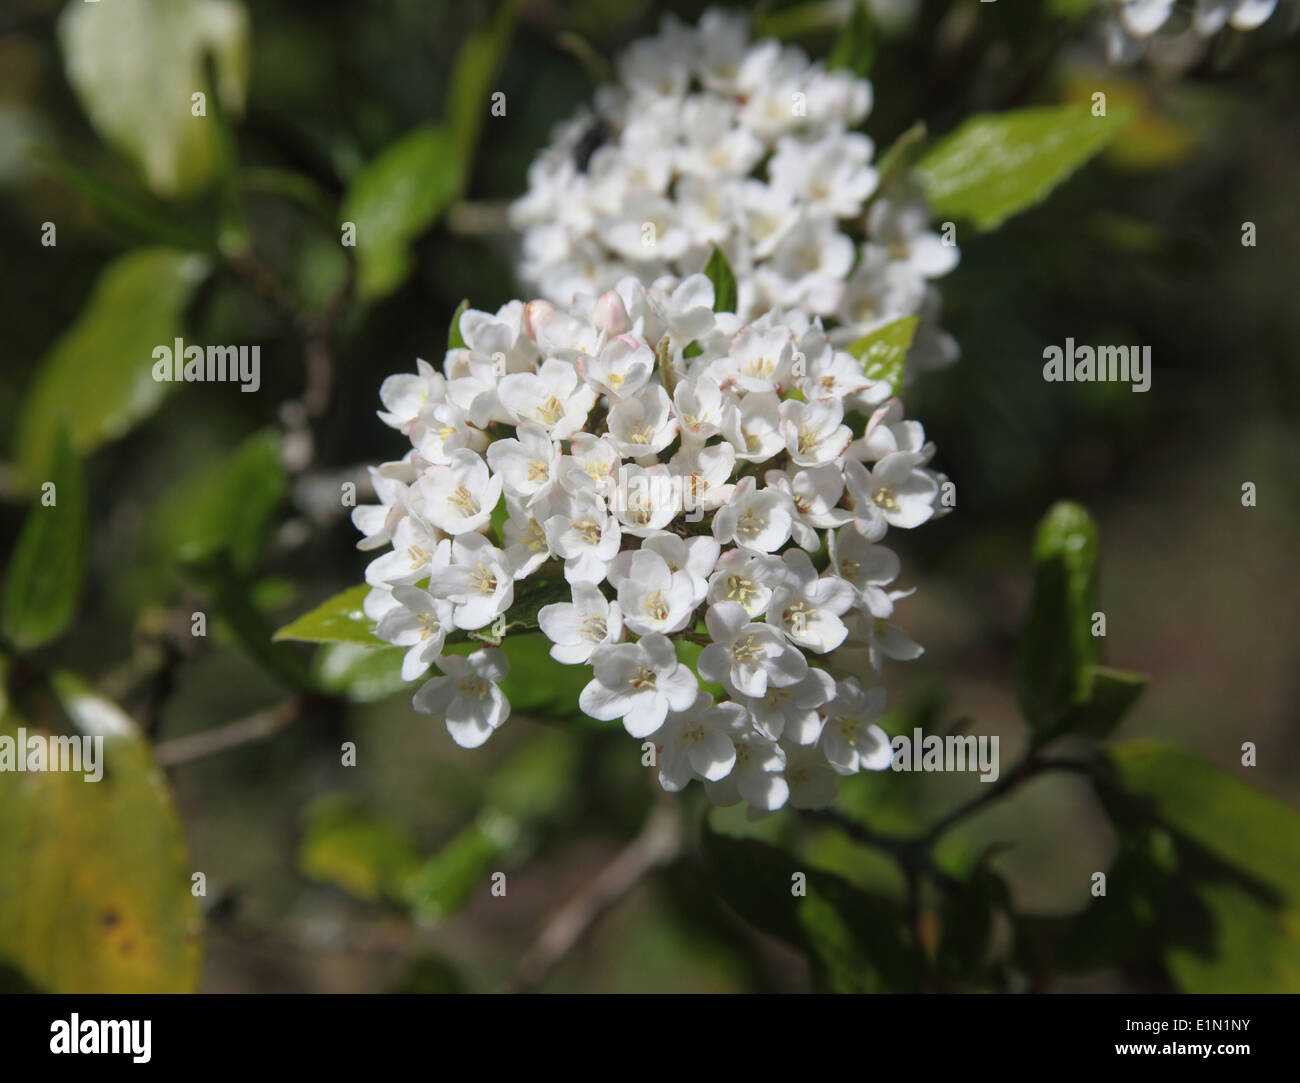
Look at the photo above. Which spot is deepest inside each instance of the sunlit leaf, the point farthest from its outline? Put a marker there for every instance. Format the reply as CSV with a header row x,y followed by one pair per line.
x,y
998,164
134,65
99,374
95,890
43,580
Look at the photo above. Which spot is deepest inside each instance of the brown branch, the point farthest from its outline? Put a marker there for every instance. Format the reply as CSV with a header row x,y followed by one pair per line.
x,y
658,843
255,727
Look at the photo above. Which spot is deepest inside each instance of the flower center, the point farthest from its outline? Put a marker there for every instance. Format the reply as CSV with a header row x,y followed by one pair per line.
x,y
595,629
464,500
746,650
537,470
886,498
550,411
482,579
740,589
473,687
656,607
643,678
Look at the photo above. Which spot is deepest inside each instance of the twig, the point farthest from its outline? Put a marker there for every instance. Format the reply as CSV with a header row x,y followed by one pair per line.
x,y
255,727
1027,768
658,842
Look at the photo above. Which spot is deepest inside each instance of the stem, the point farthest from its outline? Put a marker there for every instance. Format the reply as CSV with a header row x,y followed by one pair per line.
x,y
658,843
255,727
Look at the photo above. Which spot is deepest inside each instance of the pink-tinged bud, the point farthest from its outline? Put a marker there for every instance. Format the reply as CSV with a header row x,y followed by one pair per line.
x,y
536,313
609,315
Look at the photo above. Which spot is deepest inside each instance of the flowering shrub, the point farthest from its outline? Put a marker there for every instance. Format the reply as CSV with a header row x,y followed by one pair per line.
x,y
710,139
680,479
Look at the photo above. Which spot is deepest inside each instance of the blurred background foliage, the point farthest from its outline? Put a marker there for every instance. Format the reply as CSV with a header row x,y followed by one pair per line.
x,y
197,498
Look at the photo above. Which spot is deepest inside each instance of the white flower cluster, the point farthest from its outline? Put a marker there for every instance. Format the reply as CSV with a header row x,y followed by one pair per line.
x,y
1133,23
708,139
681,478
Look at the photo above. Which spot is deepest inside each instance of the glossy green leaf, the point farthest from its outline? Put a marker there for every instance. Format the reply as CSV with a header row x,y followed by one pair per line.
x,y
855,50
998,164
883,352
134,65
444,883
360,674
1058,648
228,504
1239,825
724,281
473,78
95,891
1106,697
398,196
857,942
339,619
455,340
43,580
99,374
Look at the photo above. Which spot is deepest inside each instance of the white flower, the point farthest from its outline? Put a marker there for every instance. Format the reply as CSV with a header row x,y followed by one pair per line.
x,y
704,470
811,780
460,496
746,657
622,367
478,582
814,431
404,395
417,549
527,466
753,427
883,640
653,598
554,397
527,547
807,607
895,492
643,425
640,683
584,535
814,495
577,628
757,776
646,499
698,403
697,742
756,519
790,710
850,739
590,465
867,568
419,622
746,579
468,696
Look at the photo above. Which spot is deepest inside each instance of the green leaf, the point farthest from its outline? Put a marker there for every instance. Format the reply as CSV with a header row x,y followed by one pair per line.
x,y
998,164
856,48
339,619
538,685
43,581
147,223
94,876
724,281
898,158
444,883
134,65
856,942
472,77
1057,647
883,352
455,340
1250,894
346,845
1239,825
1254,948
1107,694
395,198
359,674
226,505
99,374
